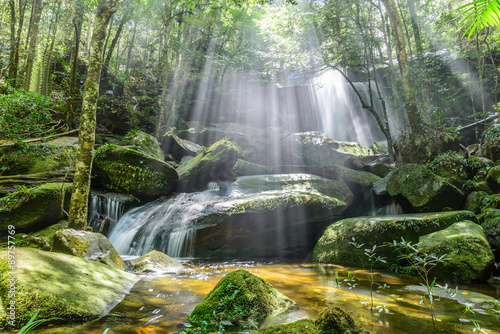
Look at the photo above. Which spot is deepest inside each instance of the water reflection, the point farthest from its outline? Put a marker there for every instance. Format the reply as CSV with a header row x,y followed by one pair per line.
x,y
157,304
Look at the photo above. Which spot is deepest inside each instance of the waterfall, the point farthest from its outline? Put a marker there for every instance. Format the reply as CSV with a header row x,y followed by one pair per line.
x,y
341,114
166,225
104,205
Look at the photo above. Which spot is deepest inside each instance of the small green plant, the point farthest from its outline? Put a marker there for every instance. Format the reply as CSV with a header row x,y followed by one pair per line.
x,y
33,323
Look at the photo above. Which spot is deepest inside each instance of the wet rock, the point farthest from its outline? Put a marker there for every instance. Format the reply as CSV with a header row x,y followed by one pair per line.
x,y
244,299
72,288
178,147
244,168
380,187
420,190
468,254
335,245
144,143
128,171
355,180
214,163
155,261
88,245
336,320
35,208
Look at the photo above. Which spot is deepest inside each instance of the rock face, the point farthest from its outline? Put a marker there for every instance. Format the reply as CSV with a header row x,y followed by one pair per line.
x,y
88,245
244,299
468,254
35,208
214,163
420,190
128,171
335,244
155,261
62,286
336,320
270,215
144,143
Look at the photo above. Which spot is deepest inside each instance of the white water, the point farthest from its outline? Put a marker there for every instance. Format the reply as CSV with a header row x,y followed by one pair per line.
x,y
109,205
166,225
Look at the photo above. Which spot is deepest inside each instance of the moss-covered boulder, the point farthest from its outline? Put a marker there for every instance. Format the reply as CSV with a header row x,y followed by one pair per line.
x,y
244,299
144,143
88,245
379,169
420,190
269,216
128,171
476,201
493,179
316,148
335,245
41,239
354,179
335,320
155,261
35,208
304,326
177,147
478,168
60,285
490,222
244,168
490,143
214,163
451,166
468,254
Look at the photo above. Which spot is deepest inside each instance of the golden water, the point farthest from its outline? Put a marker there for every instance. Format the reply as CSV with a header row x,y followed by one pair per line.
x,y
157,304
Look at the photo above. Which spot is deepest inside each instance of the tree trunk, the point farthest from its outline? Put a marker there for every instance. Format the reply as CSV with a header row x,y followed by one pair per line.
x,y
81,185
415,27
408,89
35,22
13,42
131,46
22,11
115,41
77,24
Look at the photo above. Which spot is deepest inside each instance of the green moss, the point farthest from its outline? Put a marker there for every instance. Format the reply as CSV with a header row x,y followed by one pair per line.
x,y
451,166
244,299
335,320
304,326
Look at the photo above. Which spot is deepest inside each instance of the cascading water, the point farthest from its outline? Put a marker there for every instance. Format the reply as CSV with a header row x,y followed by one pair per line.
x,y
165,224
106,205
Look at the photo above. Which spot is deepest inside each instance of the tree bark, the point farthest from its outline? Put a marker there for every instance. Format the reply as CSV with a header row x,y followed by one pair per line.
x,y
131,46
415,27
13,42
81,185
115,41
408,89
35,23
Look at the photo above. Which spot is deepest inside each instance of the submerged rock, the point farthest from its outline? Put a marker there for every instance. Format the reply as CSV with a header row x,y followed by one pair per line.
x,y
155,261
243,299
35,208
88,245
420,190
62,286
335,245
468,254
214,163
335,320
128,171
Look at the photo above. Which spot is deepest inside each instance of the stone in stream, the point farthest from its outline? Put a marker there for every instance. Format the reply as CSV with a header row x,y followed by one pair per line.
x,y
129,171
420,190
35,208
62,286
468,254
335,245
89,245
243,299
155,261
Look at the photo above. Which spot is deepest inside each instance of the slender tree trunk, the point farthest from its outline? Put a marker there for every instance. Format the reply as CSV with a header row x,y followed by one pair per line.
x,y
114,42
415,27
406,29
77,24
81,185
173,94
22,11
87,39
13,43
45,90
131,46
409,90
37,13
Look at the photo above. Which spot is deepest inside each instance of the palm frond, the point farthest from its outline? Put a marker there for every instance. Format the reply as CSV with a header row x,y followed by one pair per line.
x,y
479,14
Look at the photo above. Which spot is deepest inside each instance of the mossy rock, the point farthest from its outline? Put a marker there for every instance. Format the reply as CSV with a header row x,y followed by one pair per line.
x,y
62,286
40,239
451,166
244,299
244,168
493,179
354,179
144,143
304,326
355,149
35,208
316,148
335,245
468,255
88,245
476,201
131,172
490,143
478,168
490,222
420,190
155,261
378,148
335,320
214,163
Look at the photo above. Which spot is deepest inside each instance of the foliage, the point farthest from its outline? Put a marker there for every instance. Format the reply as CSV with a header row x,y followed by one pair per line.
x,y
33,323
479,14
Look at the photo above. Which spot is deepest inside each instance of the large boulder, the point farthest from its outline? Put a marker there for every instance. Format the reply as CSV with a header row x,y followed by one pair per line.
x,y
144,143
490,222
355,180
245,168
178,147
129,171
451,166
335,246
335,320
59,285
490,143
468,254
88,245
35,208
493,179
420,190
214,163
304,326
270,215
244,299
155,261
